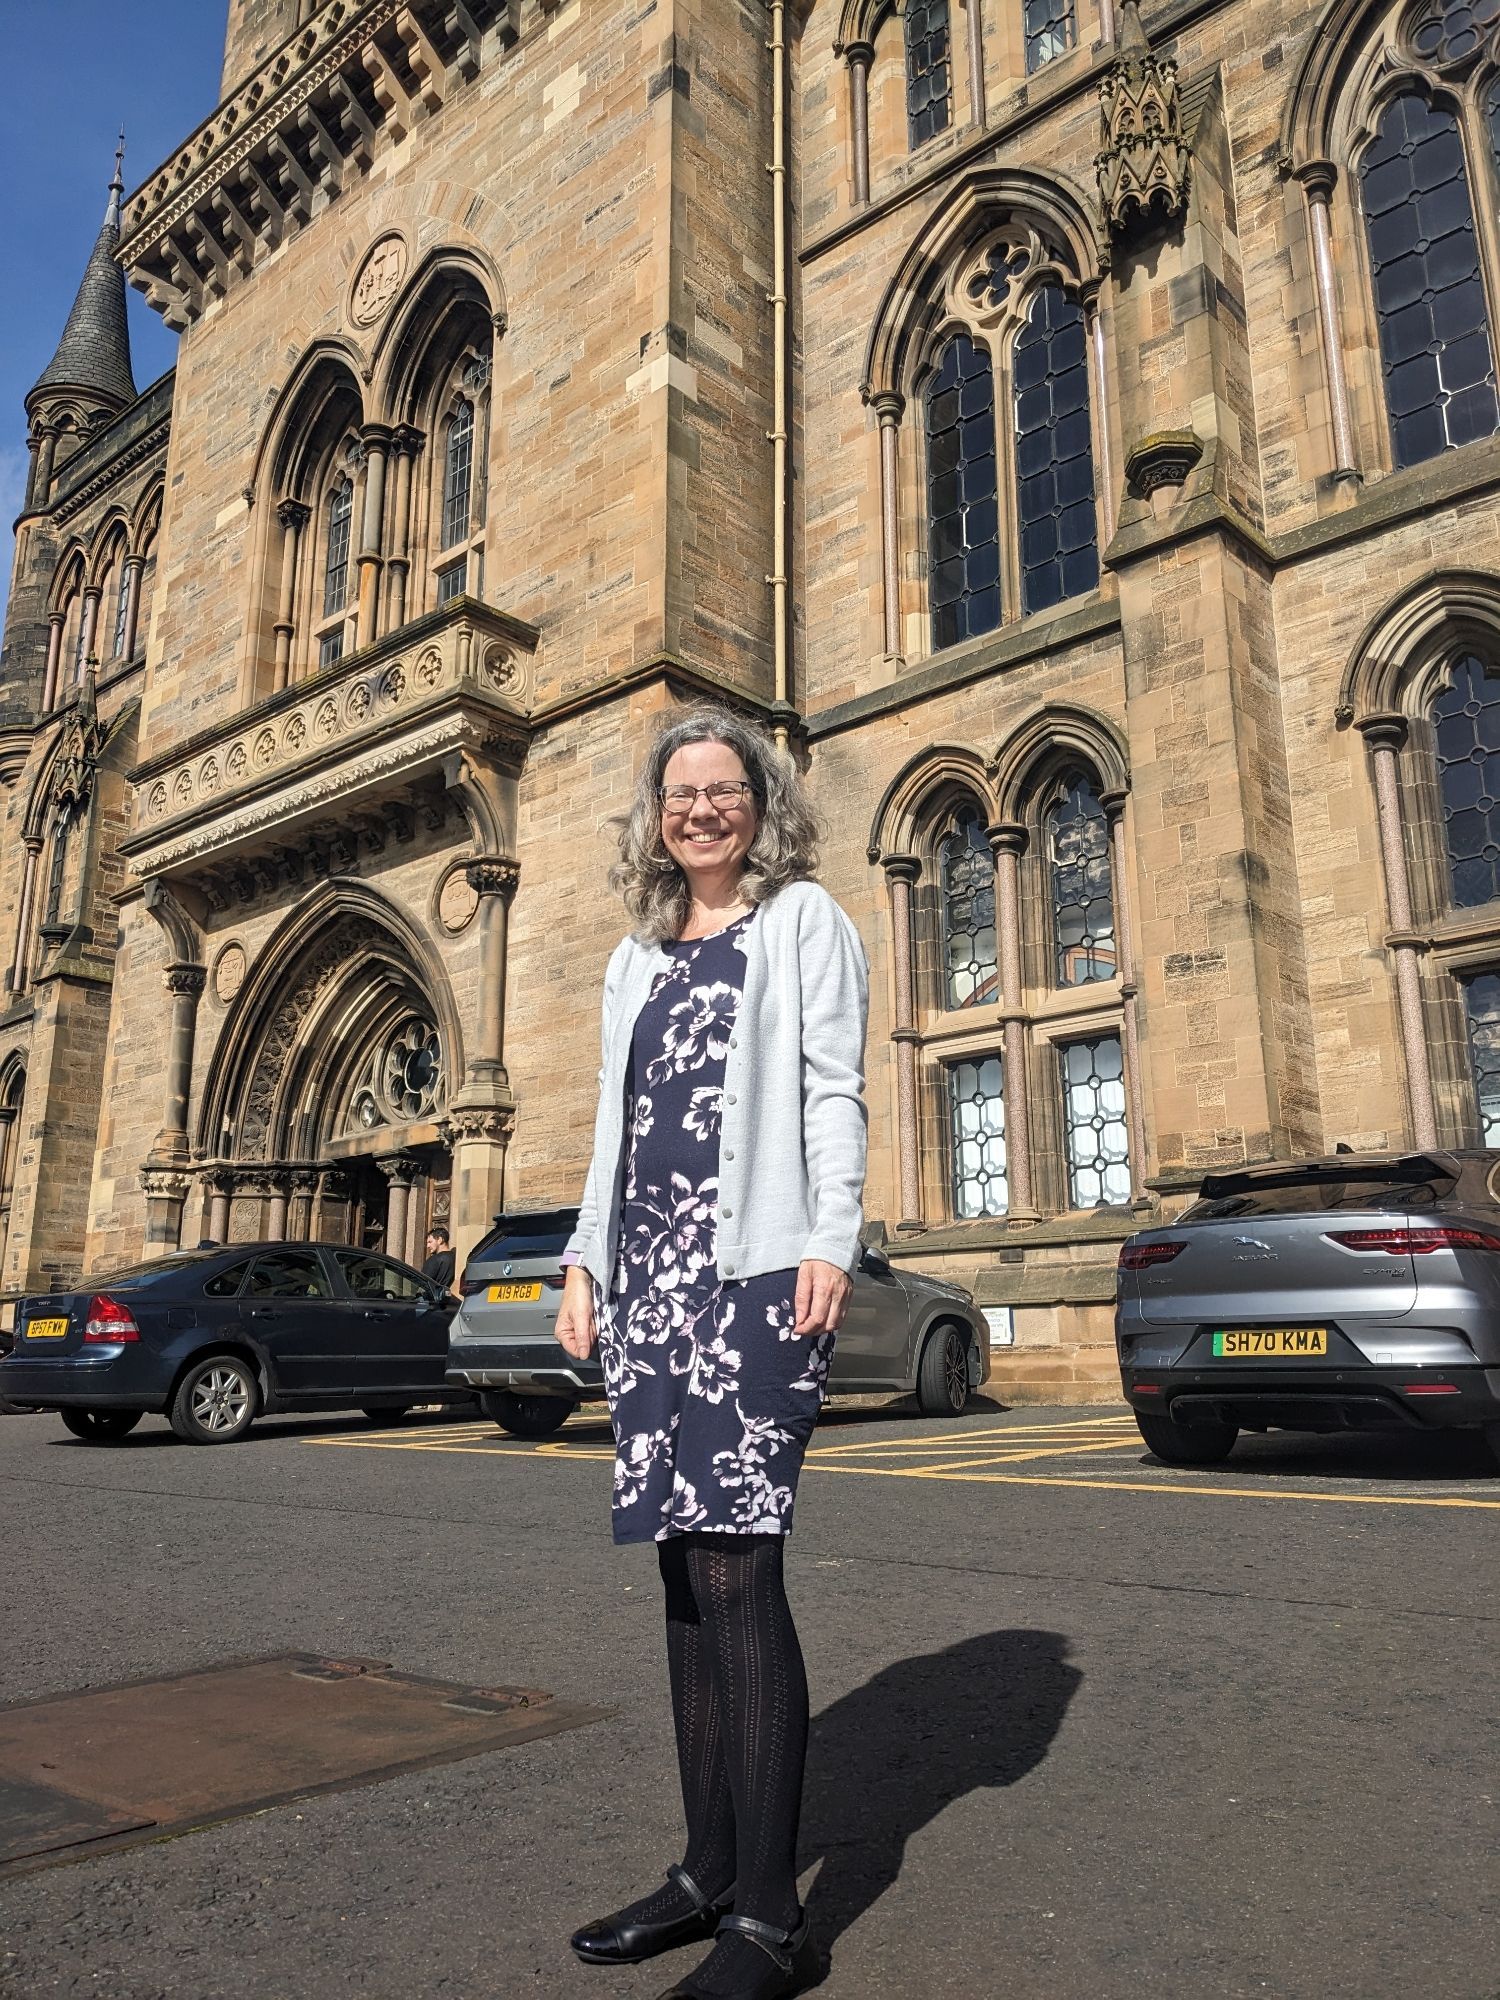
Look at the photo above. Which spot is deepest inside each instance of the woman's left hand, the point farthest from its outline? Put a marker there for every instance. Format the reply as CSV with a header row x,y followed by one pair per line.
x,y
822,1295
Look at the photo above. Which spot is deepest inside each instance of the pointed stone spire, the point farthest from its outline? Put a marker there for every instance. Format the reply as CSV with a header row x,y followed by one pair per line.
x,y
93,357
1132,38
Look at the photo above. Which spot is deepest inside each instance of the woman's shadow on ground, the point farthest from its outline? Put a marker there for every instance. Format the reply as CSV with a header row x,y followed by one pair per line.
x,y
888,1757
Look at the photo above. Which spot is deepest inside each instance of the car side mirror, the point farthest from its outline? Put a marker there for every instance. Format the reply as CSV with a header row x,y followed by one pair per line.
x,y
876,1264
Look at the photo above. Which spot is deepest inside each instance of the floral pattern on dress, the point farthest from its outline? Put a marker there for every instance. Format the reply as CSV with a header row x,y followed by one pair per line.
x,y
712,1394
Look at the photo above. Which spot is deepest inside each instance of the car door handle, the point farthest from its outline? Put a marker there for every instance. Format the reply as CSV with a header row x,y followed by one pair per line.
x,y
262,1312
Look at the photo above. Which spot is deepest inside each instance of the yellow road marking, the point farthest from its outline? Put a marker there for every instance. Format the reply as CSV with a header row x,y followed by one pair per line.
x,y
1152,1486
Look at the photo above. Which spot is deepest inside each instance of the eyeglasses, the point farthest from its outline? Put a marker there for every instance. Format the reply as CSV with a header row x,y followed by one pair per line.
x,y
724,795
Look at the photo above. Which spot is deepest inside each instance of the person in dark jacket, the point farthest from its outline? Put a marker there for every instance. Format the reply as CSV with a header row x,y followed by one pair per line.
x,y
438,1264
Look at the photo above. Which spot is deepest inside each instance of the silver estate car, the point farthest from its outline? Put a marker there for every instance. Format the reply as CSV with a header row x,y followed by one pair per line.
x,y
1356,1292
902,1333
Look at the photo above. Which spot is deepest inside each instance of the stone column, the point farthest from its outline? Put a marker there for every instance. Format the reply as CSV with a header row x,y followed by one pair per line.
x,y
1135,1095
888,408
1103,450
330,1223
859,56
1008,844
1385,736
1107,27
494,880
54,661
294,517
220,1185
976,60
278,1187
46,453
901,871
300,1217
184,982
406,443
90,636
399,1170
1319,179
166,1193
134,569
478,1136
21,963
376,439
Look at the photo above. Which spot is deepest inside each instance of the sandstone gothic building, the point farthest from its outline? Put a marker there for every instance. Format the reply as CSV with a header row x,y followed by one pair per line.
x,y
1073,423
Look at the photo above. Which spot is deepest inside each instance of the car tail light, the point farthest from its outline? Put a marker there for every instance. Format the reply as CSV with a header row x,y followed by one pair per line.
x,y
109,1320
555,1284
1141,1256
1430,1389
1414,1242
467,1287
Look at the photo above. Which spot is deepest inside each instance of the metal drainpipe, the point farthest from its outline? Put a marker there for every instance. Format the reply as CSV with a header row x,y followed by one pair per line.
x,y
781,333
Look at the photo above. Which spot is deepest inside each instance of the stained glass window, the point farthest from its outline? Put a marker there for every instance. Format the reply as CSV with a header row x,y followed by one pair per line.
x,y
962,503
1050,31
1434,330
977,1103
926,70
968,889
1466,731
458,472
1083,912
1054,453
1449,30
1482,1007
336,562
1093,1087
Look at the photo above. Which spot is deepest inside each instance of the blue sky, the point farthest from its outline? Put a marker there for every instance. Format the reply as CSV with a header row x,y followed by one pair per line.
x,y
76,70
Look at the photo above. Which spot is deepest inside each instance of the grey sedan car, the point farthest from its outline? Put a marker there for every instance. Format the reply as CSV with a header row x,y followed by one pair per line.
x,y
902,1333
1359,1291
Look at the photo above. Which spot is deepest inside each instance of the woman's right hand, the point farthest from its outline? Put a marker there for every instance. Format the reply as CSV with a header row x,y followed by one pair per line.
x,y
575,1329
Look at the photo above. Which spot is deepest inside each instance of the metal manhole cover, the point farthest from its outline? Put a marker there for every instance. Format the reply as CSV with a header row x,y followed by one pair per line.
x,y
110,1767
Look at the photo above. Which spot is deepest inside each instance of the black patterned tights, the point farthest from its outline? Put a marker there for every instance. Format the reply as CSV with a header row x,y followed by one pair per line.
x,y
739,1701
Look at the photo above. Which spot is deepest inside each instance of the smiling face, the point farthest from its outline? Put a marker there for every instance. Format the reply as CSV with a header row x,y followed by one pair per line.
x,y
708,842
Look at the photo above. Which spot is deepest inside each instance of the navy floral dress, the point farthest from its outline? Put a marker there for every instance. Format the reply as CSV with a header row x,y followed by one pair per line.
x,y
712,1395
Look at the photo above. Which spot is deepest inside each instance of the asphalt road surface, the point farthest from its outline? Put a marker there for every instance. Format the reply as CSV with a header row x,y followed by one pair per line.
x,y
1083,1727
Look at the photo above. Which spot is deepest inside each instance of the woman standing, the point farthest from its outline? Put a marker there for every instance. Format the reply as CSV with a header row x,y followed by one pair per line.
x,y
718,1228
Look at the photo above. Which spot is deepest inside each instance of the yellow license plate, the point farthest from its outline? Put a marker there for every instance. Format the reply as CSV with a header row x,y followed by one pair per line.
x,y
46,1329
1282,1343
514,1295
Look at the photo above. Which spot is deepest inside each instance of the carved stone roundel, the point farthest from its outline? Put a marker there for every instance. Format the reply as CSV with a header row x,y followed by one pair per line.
x,y
380,278
457,903
229,972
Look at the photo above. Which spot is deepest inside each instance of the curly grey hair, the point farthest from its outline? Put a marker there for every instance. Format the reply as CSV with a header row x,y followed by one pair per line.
x,y
785,848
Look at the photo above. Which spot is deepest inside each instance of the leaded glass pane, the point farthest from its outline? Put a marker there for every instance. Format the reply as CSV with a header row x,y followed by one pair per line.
x,y
1434,330
458,473
927,65
122,599
1093,1086
1449,30
968,890
1482,1007
963,522
1050,31
451,582
1054,453
336,562
1466,734
977,1105
1083,910
330,648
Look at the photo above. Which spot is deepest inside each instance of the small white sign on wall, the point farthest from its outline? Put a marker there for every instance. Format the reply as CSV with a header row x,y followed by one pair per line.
x,y
1001,1321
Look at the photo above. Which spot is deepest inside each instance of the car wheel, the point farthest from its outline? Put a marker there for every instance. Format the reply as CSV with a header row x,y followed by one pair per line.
x,y
396,1413
943,1376
100,1426
216,1401
1187,1444
527,1416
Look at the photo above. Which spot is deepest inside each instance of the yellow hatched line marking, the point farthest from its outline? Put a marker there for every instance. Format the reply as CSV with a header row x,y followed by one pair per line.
x,y
1148,1486
965,1440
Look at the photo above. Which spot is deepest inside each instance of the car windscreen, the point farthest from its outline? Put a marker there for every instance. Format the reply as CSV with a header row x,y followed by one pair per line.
x,y
1317,1190
543,1234
140,1277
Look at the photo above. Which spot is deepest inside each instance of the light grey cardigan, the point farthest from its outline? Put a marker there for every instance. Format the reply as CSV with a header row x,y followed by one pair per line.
x,y
792,1141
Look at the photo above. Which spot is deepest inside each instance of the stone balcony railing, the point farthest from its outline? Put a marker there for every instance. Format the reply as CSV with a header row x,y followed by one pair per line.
x,y
355,75
303,766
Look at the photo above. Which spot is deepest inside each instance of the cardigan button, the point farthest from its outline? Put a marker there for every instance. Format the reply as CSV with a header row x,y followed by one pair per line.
x,y
729,1155
730,1099
726,1211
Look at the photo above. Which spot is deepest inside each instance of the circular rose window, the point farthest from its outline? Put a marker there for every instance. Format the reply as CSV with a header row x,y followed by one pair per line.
x,y
413,1070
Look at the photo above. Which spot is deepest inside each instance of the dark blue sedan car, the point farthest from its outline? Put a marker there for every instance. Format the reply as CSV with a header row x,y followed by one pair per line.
x,y
214,1338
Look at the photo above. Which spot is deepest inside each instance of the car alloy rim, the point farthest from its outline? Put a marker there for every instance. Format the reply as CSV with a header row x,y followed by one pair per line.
x,y
956,1368
221,1399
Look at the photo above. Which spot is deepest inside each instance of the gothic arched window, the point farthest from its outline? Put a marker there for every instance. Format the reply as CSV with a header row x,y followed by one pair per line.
x,y
1051,30
962,494
1435,346
976,1098
1054,452
1450,30
336,551
121,608
1080,884
1465,720
458,474
928,67
967,888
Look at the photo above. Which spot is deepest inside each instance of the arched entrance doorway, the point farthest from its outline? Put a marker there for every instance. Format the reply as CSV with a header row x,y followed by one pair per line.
x,y
325,1113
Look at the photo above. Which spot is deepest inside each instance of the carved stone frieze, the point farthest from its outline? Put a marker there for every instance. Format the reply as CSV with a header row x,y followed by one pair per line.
x,y
494,1123
158,1184
1144,165
491,875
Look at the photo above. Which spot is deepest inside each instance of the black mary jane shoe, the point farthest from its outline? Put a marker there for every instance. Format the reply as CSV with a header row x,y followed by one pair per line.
x,y
611,1941
795,1954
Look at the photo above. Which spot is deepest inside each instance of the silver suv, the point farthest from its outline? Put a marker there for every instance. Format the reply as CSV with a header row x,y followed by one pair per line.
x,y
1356,1292
902,1333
